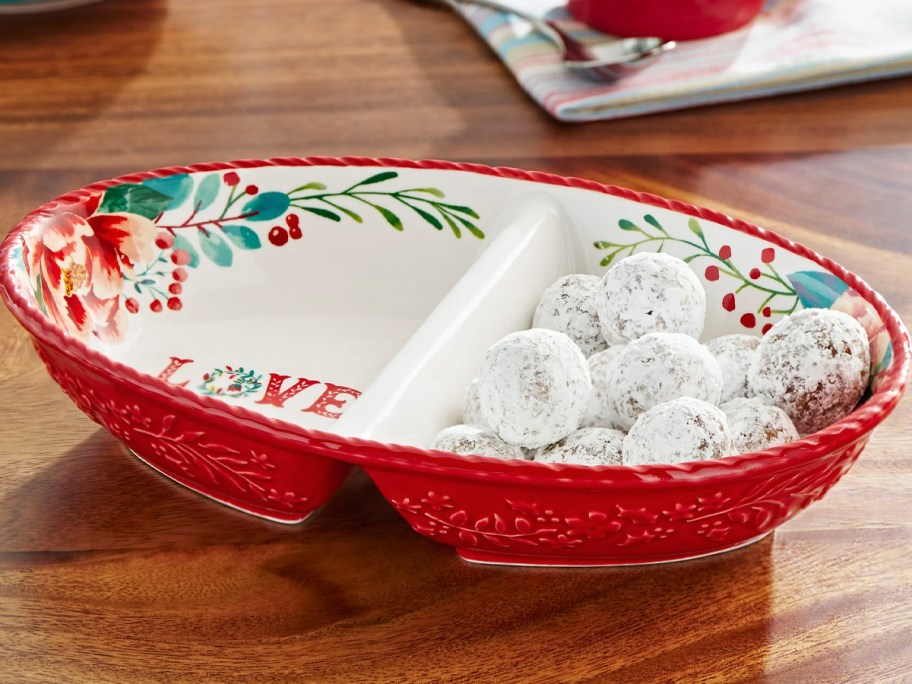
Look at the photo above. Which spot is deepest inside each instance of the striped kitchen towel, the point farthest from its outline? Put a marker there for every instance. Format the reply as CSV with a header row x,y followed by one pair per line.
x,y
793,45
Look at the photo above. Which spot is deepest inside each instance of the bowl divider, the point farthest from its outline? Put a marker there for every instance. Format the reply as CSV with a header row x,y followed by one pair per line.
x,y
420,391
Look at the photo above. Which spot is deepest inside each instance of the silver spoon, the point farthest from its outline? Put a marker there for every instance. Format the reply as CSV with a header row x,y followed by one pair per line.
x,y
605,60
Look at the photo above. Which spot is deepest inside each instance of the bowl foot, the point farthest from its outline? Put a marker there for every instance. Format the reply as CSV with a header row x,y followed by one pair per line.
x,y
500,558
291,518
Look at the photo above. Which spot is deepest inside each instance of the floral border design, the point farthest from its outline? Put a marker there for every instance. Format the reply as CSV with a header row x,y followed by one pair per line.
x,y
810,289
765,279
133,246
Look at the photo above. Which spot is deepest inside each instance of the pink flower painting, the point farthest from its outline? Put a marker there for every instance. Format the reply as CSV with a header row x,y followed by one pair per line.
x,y
76,266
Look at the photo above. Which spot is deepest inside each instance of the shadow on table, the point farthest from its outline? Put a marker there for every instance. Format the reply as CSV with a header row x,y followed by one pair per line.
x,y
356,573
97,496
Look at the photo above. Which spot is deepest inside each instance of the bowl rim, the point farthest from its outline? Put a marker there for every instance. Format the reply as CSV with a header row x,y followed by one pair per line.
x,y
373,454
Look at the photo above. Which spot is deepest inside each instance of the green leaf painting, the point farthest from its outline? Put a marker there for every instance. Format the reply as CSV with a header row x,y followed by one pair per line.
x,y
206,192
133,198
817,289
242,237
211,216
178,187
215,247
180,242
267,206
323,213
379,178
390,217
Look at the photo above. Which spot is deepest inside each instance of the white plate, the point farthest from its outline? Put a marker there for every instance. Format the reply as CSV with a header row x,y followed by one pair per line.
x,y
36,6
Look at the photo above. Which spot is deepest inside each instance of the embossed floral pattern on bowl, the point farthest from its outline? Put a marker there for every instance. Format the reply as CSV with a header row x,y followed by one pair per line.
x,y
223,320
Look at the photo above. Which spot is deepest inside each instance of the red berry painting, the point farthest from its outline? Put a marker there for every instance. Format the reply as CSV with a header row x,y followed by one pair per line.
x,y
138,243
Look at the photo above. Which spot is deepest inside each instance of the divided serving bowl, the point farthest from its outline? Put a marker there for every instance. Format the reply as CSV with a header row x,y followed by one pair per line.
x,y
253,329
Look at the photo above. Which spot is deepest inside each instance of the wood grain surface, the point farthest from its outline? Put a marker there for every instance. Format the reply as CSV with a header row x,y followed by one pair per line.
x,y
108,572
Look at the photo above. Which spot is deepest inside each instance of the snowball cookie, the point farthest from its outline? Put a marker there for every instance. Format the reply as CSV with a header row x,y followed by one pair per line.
x,y
587,446
755,426
659,367
734,354
814,365
647,293
470,440
684,429
600,412
471,412
534,387
568,306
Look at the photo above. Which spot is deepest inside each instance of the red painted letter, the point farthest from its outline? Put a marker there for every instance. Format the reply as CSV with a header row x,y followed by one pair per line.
x,y
276,396
172,368
330,398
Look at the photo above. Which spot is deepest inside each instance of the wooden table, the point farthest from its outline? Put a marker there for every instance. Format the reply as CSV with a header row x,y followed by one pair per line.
x,y
108,572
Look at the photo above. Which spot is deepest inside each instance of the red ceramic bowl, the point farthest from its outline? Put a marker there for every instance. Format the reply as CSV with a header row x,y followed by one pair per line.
x,y
668,19
286,288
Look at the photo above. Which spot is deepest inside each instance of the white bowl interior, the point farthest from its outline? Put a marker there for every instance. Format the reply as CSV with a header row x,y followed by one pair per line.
x,y
374,298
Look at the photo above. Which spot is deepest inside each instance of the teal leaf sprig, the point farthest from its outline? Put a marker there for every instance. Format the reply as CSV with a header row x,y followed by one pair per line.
x,y
237,223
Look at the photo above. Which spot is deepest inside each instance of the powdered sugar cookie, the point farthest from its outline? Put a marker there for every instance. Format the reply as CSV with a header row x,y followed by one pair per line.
x,y
734,354
683,429
659,367
647,293
601,411
568,306
471,414
755,426
814,365
475,440
587,446
534,387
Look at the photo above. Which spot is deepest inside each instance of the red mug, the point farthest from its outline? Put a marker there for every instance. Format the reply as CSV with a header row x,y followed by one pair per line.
x,y
668,19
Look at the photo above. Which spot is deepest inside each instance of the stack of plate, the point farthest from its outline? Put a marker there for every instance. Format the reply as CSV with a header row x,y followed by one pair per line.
x,y
29,6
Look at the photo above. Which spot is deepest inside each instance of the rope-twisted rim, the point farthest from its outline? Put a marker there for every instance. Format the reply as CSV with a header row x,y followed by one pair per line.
x,y
371,454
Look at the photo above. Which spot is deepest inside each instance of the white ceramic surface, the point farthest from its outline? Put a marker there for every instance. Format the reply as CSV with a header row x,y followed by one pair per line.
x,y
376,293
493,298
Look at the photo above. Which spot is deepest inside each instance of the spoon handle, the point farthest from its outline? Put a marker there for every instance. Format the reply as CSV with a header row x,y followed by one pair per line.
x,y
604,60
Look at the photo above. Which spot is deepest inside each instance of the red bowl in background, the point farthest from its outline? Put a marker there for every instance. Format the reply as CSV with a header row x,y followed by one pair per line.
x,y
668,19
